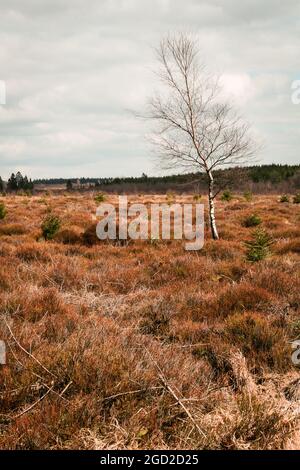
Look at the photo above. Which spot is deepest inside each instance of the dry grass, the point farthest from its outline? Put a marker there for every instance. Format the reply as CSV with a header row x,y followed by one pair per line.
x,y
146,345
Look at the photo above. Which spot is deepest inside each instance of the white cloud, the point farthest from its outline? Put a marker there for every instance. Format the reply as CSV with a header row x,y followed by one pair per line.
x,y
239,87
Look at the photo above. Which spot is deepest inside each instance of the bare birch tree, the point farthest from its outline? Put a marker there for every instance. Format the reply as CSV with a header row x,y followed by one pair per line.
x,y
195,129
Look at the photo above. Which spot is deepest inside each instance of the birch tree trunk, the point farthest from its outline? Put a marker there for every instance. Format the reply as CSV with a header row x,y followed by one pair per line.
x,y
211,204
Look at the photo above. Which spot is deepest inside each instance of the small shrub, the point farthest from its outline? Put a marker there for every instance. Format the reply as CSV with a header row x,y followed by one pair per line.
x,y
248,196
100,197
89,236
170,197
226,196
284,198
251,331
260,341
241,297
3,210
296,198
259,246
50,226
197,197
220,251
68,236
180,270
252,220
43,200
156,319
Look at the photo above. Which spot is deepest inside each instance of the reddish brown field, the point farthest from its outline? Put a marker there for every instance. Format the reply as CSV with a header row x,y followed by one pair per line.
x,y
147,345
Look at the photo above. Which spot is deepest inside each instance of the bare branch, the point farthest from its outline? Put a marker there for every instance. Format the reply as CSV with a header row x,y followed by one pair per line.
x,y
195,129
191,117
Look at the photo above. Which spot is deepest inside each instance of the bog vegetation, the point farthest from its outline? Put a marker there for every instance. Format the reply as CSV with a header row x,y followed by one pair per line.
x,y
145,345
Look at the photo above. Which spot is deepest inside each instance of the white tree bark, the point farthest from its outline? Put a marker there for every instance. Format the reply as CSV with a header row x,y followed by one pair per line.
x,y
211,205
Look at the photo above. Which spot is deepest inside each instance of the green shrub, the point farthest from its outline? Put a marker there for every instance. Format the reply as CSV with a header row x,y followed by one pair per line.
x,y
3,210
248,196
252,220
259,247
170,196
284,198
227,195
100,197
296,199
50,226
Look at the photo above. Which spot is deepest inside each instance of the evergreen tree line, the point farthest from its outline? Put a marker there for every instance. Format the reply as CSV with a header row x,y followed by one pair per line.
x,y
17,182
272,174
264,173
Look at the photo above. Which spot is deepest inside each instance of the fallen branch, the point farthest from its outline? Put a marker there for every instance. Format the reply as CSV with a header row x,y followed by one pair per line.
x,y
33,404
65,389
131,392
178,400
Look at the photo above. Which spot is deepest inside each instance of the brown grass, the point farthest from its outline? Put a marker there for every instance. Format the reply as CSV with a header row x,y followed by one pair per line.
x,y
102,336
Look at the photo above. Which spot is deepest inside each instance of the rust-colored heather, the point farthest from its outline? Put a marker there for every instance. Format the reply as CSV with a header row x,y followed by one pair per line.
x,y
12,229
99,334
70,236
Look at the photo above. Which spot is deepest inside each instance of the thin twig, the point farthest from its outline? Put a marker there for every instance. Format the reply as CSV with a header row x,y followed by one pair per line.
x,y
65,389
25,350
192,345
131,392
33,404
39,376
171,391
54,283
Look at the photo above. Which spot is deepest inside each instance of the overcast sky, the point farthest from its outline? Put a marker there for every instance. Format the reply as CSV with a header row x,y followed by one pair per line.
x,y
73,69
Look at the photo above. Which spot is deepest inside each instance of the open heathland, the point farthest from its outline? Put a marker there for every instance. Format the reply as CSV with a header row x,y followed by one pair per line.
x,y
142,344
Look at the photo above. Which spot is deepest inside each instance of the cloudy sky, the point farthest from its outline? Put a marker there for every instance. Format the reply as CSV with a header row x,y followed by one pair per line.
x,y
75,68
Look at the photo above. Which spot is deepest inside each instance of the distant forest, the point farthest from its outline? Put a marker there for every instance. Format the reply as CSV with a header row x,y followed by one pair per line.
x,y
264,178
